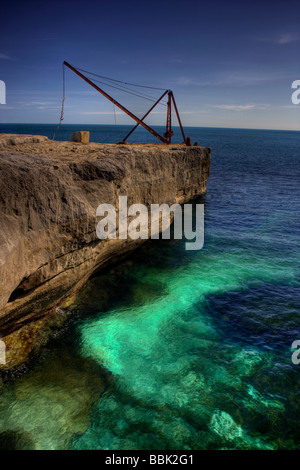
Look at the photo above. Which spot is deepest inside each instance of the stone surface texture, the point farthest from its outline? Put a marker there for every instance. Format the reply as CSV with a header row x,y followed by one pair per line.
x,y
49,192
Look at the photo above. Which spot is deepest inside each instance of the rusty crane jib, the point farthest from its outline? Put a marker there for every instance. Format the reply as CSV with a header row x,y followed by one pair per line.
x,y
166,139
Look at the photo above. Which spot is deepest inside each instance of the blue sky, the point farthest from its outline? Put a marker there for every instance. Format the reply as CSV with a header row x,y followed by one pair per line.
x,y
229,63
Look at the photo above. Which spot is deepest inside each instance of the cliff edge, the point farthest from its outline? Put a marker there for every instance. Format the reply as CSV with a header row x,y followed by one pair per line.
x,y
49,192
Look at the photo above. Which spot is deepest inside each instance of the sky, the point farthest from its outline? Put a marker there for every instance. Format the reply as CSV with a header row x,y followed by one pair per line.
x,y
229,63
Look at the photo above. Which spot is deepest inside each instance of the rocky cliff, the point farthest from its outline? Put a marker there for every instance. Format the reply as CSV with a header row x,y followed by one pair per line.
x,y
49,192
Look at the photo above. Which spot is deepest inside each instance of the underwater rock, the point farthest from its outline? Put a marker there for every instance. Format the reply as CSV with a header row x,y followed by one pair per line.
x,y
39,417
223,424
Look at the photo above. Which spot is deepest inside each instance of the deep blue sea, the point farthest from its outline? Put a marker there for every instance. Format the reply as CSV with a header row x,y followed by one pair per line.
x,y
197,343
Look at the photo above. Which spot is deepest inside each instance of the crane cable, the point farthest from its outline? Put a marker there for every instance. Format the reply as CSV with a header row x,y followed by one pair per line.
x,y
116,129
62,105
119,81
124,89
145,97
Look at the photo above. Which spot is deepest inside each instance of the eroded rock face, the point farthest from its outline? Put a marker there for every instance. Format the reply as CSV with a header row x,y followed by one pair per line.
x,y
49,192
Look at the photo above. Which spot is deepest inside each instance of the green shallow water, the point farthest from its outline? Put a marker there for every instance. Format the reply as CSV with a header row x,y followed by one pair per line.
x,y
176,375
197,345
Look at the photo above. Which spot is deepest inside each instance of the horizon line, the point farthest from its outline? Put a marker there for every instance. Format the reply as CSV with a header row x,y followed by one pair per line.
x,y
155,125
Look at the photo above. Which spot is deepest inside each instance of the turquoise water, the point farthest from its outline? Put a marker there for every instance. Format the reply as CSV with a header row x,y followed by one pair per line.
x,y
197,345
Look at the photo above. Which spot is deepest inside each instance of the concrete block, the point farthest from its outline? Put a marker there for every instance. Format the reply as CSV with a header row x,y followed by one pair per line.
x,y
81,136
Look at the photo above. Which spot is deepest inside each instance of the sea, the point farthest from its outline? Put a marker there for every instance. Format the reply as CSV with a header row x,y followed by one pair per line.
x,y
174,349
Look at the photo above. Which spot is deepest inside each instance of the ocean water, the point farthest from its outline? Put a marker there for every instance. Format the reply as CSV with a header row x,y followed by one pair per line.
x,y
196,345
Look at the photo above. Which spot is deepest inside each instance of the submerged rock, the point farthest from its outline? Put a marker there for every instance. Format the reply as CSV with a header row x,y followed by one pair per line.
x,y
43,409
224,425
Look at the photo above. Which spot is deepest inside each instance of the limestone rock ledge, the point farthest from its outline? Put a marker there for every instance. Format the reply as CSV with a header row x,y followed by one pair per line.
x,y
13,139
49,192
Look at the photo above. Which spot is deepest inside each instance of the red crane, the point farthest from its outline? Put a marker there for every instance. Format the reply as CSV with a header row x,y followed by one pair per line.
x,y
166,139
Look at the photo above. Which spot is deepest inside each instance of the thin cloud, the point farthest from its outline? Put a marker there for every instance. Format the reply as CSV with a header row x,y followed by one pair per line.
x,y
176,61
56,108
186,81
40,103
101,112
240,107
231,79
5,57
44,39
284,38
290,106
